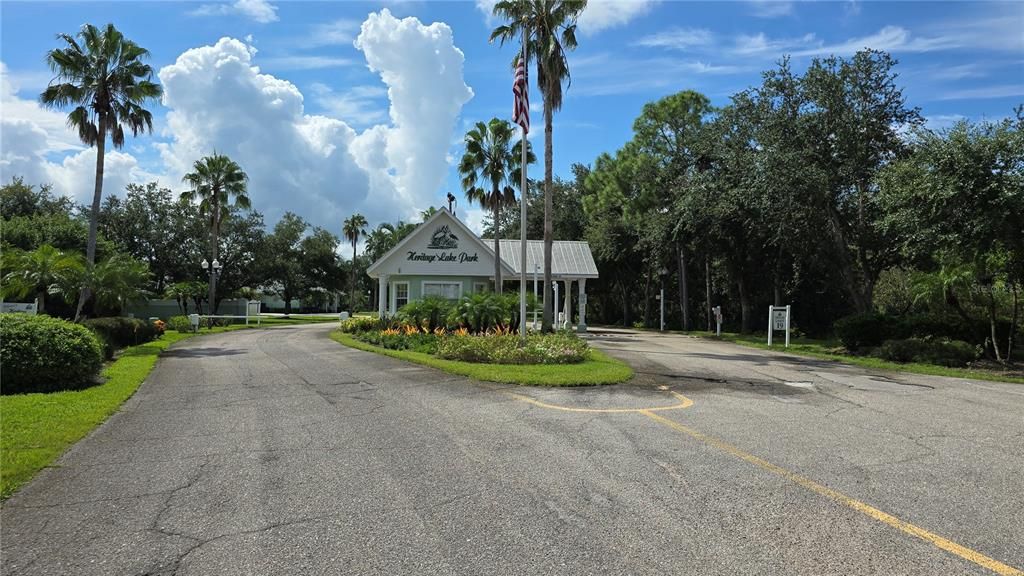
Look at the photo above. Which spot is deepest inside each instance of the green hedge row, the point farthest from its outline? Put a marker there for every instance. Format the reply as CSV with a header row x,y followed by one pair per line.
x,y
864,331
44,354
119,332
952,353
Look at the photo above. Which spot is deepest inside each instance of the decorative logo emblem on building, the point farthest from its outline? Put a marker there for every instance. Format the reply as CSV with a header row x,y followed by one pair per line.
x,y
443,239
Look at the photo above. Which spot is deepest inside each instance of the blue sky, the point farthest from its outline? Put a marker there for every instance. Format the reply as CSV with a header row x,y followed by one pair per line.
x,y
319,133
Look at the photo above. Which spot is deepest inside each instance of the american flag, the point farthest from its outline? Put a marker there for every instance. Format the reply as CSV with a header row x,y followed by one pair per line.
x,y
521,104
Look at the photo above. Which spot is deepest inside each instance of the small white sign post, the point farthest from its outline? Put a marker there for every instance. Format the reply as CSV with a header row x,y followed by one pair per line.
x,y
778,319
718,320
252,309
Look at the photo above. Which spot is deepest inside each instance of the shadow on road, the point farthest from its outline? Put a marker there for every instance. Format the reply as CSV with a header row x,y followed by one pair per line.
x,y
202,352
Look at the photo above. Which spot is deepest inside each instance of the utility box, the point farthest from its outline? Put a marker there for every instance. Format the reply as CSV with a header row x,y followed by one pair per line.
x,y
193,319
343,316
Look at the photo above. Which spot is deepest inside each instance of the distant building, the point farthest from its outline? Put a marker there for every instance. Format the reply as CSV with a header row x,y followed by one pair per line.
x,y
443,257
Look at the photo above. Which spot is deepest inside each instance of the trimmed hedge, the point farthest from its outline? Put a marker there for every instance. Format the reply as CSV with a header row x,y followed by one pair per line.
x,y
864,331
951,353
179,323
425,343
44,354
119,332
357,324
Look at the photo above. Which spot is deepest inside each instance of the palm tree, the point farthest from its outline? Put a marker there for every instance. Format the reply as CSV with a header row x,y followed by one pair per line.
x,y
380,240
120,280
102,75
426,214
549,27
45,270
354,228
490,159
214,181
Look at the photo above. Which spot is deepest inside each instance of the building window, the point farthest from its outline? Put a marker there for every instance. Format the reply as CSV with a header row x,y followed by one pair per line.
x,y
479,287
446,290
401,294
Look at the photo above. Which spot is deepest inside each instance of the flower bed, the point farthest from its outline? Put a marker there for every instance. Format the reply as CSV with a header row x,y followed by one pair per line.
x,y
556,348
475,329
497,347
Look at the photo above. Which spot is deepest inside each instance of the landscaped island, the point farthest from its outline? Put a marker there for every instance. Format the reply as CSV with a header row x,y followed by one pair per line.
x,y
476,337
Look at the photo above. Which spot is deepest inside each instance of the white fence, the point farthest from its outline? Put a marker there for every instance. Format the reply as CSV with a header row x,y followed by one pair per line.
x,y
21,307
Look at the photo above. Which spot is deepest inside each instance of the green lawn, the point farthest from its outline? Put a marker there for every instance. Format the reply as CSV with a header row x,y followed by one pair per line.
x,y
830,350
37,428
598,369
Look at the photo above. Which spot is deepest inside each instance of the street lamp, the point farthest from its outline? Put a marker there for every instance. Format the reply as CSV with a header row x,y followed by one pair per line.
x,y
663,272
214,271
536,303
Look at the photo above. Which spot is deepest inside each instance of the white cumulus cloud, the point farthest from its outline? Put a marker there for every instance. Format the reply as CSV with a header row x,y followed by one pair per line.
x,y
323,167
319,166
29,134
602,14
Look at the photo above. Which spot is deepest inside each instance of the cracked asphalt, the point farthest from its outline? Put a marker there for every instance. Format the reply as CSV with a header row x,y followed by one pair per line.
x,y
281,452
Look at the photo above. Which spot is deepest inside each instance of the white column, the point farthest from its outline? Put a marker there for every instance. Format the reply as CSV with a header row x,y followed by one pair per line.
x,y
581,326
568,304
382,295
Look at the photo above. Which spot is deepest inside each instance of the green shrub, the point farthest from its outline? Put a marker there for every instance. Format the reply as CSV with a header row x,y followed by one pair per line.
x,y
120,332
179,323
357,324
42,354
208,322
479,312
430,313
557,348
865,330
952,353
417,342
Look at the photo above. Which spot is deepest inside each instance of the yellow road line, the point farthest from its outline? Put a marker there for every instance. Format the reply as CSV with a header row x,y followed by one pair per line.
x,y
684,402
947,545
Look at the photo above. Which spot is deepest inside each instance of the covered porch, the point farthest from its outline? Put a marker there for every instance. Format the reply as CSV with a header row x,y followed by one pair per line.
x,y
572,265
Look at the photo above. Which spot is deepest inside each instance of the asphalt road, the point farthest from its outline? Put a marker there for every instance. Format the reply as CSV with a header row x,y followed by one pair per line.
x,y
281,452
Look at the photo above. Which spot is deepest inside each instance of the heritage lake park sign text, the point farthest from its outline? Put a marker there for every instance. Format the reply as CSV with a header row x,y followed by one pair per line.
x,y
443,239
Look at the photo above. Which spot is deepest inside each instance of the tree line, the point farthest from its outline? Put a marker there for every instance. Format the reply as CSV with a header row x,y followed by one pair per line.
x,y
158,240
824,190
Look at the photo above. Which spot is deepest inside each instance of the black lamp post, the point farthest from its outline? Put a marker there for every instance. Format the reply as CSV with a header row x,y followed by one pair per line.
x,y
214,270
663,272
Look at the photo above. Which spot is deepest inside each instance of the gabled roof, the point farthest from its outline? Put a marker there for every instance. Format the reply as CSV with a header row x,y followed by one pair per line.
x,y
428,224
569,259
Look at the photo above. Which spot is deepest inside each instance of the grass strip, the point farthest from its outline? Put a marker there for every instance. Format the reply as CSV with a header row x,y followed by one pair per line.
x,y
822,349
598,369
35,429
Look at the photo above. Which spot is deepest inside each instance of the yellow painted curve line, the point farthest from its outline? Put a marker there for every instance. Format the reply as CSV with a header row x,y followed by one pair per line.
x,y
684,402
947,545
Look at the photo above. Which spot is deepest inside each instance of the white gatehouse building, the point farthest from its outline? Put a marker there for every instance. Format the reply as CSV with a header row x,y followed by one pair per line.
x,y
443,257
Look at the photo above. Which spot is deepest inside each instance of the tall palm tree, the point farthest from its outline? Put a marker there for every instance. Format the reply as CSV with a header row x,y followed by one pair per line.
x,y
550,29
490,159
102,75
353,229
214,181
45,270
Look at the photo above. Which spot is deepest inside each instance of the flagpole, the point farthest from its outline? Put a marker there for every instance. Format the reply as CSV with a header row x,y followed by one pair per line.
x,y
522,210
